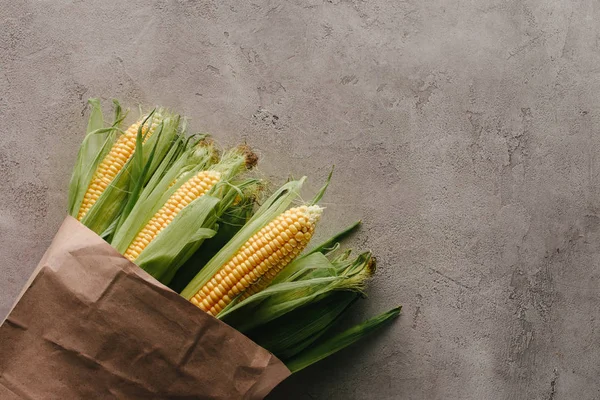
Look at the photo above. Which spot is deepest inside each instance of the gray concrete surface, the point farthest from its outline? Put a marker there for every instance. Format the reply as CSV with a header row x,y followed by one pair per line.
x,y
464,135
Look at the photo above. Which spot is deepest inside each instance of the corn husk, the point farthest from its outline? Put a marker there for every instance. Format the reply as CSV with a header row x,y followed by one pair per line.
x,y
317,276
290,334
161,186
340,341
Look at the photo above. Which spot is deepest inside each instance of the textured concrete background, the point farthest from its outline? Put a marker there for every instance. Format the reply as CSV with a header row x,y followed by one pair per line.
x,y
464,135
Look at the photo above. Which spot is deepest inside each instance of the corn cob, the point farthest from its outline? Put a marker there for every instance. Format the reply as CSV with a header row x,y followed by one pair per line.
x,y
265,254
195,187
114,161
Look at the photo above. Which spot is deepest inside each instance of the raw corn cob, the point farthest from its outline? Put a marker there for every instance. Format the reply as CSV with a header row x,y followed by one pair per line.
x,y
264,255
115,160
194,188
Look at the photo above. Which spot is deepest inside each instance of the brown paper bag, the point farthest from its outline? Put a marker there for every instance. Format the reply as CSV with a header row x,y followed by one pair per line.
x,y
92,325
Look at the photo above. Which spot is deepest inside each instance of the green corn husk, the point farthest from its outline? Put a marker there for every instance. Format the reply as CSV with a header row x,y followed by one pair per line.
x,y
272,208
196,222
327,246
316,277
338,342
304,280
229,224
293,332
120,195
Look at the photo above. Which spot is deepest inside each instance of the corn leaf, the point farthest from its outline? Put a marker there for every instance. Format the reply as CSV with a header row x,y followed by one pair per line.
x,y
88,150
169,250
139,170
275,301
331,345
108,232
330,243
303,264
95,123
170,133
173,162
322,191
109,204
118,111
227,194
288,335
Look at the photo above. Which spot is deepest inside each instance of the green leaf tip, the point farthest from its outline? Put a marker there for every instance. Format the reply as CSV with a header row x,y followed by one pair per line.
x,y
331,242
322,191
340,341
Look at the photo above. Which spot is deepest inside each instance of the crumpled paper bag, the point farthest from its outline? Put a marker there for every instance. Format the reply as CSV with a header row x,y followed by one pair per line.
x,y
92,325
